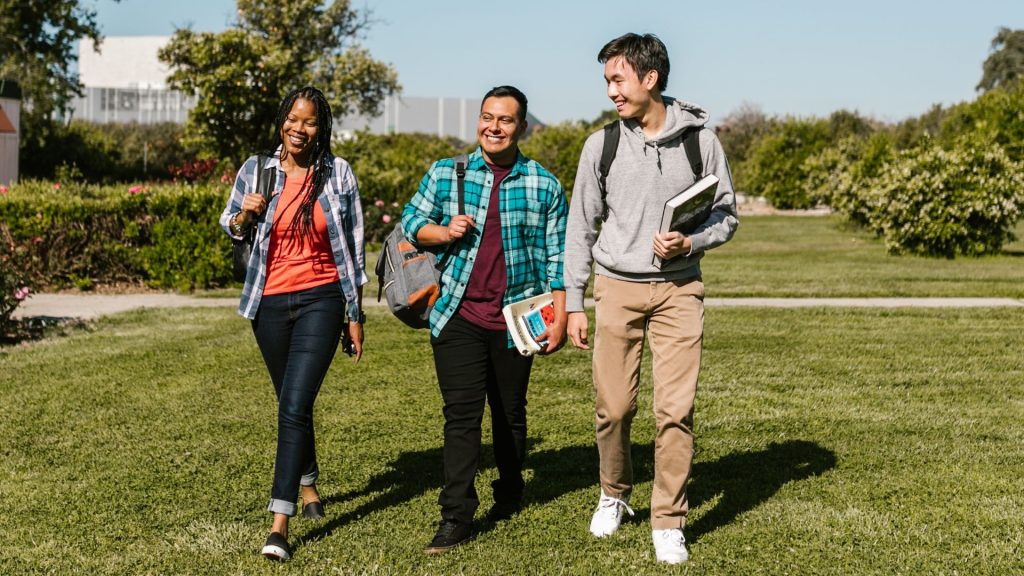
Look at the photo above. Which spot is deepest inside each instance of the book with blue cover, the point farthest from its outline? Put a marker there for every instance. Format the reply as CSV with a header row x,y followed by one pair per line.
x,y
527,320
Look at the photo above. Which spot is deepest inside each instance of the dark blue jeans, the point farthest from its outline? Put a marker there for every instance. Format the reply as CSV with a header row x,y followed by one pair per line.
x,y
473,365
298,334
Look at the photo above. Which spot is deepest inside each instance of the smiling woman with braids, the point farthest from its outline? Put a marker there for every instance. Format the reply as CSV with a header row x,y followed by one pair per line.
x,y
305,276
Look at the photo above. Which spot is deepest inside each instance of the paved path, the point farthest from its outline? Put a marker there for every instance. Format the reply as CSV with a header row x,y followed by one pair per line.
x,y
87,306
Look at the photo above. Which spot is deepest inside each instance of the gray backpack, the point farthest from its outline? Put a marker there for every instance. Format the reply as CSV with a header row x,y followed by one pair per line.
x,y
410,278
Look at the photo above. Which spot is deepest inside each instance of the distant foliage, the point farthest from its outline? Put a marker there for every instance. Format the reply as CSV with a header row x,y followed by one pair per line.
x,y
558,147
1005,64
102,153
775,168
388,170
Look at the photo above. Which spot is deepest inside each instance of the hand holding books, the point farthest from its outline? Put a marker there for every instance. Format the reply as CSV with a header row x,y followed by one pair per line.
x,y
683,213
531,322
668,245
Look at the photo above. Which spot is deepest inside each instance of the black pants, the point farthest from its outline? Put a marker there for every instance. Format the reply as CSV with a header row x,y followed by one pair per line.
x,y
298,334
474,364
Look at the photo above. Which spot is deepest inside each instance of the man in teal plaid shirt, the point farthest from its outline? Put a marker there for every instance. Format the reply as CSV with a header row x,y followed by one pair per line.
x,y
507,247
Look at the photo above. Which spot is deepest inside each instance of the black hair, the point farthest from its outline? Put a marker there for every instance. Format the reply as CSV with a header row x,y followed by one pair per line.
x,y
320,154
508,92
642,53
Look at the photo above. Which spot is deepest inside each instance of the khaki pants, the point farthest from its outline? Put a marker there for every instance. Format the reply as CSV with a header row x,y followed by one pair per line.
x,y
671,314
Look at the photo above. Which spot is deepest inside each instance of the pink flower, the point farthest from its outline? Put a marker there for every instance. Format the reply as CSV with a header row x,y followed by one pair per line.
x,y
4,189
56,185
135,189
386,218
225,177
379,203
21,293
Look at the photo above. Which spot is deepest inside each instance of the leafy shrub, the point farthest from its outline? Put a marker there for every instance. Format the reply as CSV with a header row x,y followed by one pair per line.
x,y
837,175
938,202
17,277
85,235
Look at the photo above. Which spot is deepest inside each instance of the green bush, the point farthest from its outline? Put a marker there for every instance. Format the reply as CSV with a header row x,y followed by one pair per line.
x,y
837,175
938,202
17,277
82,235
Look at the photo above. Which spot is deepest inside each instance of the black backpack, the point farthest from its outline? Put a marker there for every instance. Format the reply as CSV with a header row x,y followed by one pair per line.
x,y
691,143
410,278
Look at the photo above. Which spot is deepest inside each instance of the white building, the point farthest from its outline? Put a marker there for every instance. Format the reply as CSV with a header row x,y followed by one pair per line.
x,y
126,82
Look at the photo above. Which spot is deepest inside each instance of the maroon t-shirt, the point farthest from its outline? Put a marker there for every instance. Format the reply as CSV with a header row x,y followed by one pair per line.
x,y
481,304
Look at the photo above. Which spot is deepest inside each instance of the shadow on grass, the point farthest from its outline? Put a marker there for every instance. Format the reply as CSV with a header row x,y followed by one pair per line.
x,y
747,479
409,476
743,480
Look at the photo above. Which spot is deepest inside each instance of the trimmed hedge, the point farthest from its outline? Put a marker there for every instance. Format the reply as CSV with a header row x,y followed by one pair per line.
x,y
82,235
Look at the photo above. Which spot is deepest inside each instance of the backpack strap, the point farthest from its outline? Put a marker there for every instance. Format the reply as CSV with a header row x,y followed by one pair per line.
x,y
460,175
611,144
691,143
461,161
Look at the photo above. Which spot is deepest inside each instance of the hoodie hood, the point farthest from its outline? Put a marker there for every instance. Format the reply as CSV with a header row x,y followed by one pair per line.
x,y
679,115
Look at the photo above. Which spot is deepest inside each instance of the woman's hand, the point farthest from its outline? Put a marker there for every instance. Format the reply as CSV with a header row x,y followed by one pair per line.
x,y
252,206
352,340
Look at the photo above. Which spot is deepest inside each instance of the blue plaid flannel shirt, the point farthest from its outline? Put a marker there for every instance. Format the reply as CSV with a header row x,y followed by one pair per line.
x,y
533,217
341,205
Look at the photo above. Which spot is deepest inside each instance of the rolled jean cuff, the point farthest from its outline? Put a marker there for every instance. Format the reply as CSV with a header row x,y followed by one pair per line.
x,y
282,507
308,479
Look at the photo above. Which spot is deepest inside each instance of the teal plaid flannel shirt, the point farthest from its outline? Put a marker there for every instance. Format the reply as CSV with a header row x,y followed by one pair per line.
x,y
533,216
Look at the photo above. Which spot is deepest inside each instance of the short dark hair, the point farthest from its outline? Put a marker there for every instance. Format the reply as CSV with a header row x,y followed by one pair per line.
x,y
642,53
508,92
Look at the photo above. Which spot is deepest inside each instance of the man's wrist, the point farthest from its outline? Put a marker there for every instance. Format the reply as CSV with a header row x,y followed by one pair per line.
x,y
360,319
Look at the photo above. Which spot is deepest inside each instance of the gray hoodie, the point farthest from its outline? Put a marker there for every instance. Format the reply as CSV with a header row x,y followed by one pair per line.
x,y
645,173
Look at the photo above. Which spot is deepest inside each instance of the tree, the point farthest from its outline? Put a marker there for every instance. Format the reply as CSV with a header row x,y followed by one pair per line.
x,y
1006,62
241,74
38,40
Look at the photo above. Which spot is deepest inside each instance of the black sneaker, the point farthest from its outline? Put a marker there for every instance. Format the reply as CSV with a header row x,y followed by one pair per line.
x,y
277,547
503,510
450,534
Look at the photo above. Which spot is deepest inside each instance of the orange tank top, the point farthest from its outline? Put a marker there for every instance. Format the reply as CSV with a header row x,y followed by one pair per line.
x,y
294,263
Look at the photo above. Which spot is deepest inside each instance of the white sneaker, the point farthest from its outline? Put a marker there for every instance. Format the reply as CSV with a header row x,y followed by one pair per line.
x,y
608,515
670,546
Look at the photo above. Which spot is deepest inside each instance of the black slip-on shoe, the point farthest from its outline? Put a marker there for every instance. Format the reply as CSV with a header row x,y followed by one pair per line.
x,y
276,548
450,534
503,510
313,511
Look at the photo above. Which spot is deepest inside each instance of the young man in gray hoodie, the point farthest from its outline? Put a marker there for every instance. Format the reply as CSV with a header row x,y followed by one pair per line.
x,y
635,299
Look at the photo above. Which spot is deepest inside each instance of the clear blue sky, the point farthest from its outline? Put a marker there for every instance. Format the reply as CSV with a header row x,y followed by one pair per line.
x,y
889,59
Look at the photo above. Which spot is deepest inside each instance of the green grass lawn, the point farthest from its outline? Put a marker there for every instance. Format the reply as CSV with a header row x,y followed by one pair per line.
x,y
810,256
830,441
